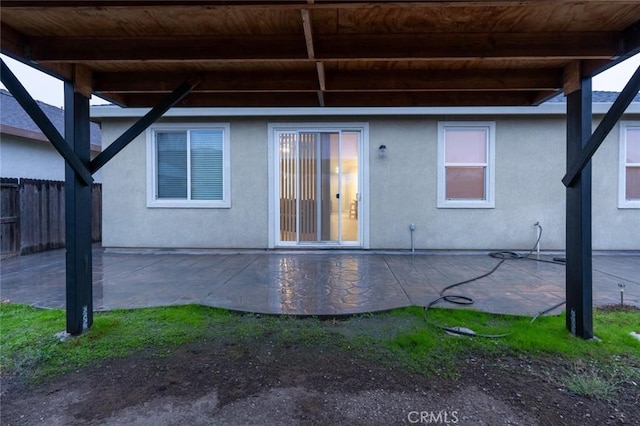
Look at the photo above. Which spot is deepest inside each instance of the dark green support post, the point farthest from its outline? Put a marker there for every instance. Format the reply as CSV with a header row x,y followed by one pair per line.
x,y
579,316
78,215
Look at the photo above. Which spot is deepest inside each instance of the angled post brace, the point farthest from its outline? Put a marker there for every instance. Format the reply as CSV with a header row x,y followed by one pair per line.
x,y
48,129
610,119
156,112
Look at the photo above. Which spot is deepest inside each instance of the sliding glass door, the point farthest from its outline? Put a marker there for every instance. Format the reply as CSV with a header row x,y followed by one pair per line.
x,y
318,187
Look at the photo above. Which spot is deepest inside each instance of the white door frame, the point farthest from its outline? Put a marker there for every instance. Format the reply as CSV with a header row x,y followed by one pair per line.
x,y
363,178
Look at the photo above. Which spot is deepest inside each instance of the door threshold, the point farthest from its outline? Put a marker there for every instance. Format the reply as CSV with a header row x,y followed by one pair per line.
x,y
318,247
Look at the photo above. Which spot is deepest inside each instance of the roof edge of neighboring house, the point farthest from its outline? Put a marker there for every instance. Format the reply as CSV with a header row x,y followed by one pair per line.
x,y
35,136
16,122
100,112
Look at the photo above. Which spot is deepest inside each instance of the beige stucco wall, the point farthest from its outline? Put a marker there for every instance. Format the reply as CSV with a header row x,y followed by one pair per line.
x,y
128,222
613,228
403,188
530,163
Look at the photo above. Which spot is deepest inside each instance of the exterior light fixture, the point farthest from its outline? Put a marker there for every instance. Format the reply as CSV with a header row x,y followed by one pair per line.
x,y
382,151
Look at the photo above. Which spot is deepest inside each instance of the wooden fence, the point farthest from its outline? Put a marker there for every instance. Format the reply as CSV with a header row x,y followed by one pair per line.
x,y
9,216
33,215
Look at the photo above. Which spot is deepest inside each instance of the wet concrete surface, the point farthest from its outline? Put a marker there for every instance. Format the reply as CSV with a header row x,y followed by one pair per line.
x,y
312,283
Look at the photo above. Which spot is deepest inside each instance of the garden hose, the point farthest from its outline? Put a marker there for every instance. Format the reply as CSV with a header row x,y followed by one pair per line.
x,y
465,300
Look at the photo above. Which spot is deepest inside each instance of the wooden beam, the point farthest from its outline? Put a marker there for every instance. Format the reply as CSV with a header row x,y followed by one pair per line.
x,y
308,34
631,37
343,99
232,48
589,45
572,80
545,95
216,81
459,79
83,80
418,99
114,98
334,80
18,46
259,99
592,67
13,42
322,82
285,4
436,46
321,76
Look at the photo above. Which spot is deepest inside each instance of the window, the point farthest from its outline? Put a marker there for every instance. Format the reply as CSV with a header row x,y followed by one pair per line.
x,y
466,164
188,166
629,181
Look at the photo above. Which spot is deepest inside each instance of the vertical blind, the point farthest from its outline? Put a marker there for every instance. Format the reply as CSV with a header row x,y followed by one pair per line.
x,y
288,186
190,165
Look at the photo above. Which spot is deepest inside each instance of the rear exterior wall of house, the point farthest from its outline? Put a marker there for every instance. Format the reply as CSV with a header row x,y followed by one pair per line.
x,y
401,188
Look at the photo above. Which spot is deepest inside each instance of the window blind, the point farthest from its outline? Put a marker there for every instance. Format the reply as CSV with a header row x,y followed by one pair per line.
x,y
172,165
632,165
465,164
207,165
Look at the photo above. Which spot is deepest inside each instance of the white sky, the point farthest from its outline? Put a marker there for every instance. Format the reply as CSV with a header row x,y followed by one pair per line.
x,y
47,89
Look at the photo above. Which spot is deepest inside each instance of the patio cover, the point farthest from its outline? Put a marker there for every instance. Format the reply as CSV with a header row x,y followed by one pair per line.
x,y
321,53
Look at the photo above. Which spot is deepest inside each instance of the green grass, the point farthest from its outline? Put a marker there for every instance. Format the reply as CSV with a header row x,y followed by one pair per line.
x,y
29,344
401,337
547,337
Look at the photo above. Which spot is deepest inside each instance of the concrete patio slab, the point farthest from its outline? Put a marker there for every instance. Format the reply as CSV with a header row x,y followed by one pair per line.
x,y
312,283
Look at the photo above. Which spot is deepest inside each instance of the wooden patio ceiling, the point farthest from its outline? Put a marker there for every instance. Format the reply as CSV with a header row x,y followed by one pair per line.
x,y
323,53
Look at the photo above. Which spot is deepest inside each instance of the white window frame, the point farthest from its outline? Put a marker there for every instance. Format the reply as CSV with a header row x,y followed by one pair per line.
x,y
274,167
623,203
152,176
489,202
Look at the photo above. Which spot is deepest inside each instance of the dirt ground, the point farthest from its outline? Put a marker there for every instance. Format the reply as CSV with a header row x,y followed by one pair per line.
x,y
217,382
